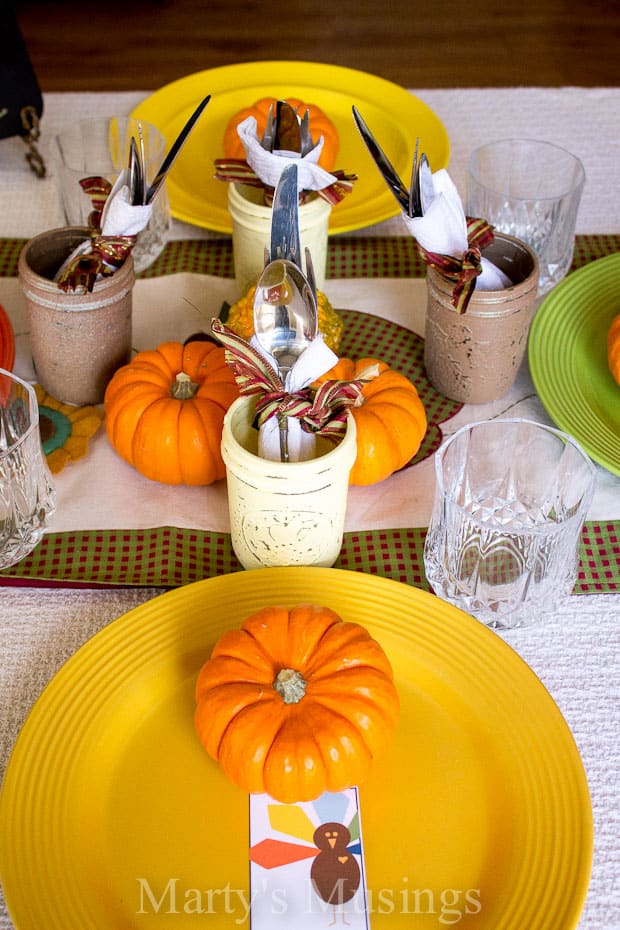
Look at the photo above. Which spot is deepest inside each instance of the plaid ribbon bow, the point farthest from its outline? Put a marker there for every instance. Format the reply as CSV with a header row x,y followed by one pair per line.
x,y
462,271
238,171
106,254
322,410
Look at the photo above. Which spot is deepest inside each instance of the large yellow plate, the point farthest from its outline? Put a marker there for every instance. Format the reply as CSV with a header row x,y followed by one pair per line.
x,y
481,808
395,116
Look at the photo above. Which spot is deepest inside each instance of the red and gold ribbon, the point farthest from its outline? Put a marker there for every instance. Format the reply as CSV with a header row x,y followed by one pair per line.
x,y
237,170
462,271
322,410
107,253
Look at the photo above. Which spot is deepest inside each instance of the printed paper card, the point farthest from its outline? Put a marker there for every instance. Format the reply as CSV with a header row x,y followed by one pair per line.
x,y
307,863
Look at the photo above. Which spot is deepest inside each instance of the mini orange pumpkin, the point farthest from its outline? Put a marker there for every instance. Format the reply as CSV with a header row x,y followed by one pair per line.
x,y
296,702
613,348
165,410
390,419
320,125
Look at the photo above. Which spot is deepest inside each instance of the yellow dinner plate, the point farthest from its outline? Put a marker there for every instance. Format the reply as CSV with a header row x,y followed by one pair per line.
x,y
395,117
113,816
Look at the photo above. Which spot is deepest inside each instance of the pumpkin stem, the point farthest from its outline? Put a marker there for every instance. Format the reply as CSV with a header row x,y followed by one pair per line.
x,y
290,685
366,374
183,388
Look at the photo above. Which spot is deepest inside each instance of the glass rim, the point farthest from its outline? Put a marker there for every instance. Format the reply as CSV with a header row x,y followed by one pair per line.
x,y
121,119
566,438
71,132
574,189
33,410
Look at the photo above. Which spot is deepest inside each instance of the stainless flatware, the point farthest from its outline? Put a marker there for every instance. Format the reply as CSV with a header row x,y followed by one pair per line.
x,y
170,158
269,132
285,306
285,322
287,136
285,241
414,201
425,184
136,174
143,161
383,163
304,131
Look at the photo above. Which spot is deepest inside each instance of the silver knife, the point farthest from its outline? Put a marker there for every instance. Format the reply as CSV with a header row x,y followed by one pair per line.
x,y
136,179
170,158
383,163
285,241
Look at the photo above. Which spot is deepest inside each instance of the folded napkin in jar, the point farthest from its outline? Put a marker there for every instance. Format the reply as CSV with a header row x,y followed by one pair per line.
x,y
268,166
322,410
115,223
313,362
443,230
119,216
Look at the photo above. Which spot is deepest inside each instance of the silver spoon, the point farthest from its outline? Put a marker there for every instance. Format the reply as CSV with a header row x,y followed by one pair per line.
x,y
285,321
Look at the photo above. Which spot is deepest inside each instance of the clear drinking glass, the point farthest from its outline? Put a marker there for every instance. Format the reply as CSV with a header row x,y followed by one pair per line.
x,y
99,147
511,499
27,496
530,190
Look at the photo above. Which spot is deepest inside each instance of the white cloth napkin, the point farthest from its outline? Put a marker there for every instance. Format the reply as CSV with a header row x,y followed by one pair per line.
x,y
270,165
443,229
120,217
311,364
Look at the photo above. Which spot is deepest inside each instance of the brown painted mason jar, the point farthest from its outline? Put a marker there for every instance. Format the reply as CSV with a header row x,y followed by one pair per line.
x,y
78,340
473,357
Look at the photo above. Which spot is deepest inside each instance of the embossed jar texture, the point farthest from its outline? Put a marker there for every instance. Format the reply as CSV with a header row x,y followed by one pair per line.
x,y
474,357
284,513
77,340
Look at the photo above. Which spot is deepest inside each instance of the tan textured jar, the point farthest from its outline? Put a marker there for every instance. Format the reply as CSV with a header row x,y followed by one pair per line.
x,y
77,340
473,357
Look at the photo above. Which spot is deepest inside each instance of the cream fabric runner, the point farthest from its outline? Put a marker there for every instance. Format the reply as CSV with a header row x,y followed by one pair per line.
x,y
103,492
586,121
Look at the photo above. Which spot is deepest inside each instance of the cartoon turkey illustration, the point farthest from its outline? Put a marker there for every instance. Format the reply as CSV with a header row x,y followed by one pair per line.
x,y
335,874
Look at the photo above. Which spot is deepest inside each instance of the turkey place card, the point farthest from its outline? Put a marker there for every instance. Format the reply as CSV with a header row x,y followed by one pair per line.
x,y
306,863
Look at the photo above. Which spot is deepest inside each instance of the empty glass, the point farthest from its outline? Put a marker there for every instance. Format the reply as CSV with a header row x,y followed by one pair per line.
x,y
530,190
510,503
99,147
27,497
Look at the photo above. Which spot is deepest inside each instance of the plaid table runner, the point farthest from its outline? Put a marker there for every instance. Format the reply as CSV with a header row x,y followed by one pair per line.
x,y
347,257
168,556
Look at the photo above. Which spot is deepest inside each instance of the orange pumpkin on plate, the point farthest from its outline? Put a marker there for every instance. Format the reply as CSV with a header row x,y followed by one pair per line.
x,y
320,125
296,702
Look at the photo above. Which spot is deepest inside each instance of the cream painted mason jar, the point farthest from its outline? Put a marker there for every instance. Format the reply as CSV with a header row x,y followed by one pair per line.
x,y
251,233
284,513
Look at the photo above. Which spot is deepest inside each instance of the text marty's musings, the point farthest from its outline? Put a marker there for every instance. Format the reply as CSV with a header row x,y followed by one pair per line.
x,y
447,906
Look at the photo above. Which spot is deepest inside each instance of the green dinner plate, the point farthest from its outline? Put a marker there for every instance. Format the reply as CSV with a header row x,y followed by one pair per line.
x,y
396,117
567,353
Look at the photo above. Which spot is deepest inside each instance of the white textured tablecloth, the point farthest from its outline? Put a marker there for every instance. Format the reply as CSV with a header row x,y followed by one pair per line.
x,y
586,121
575,654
